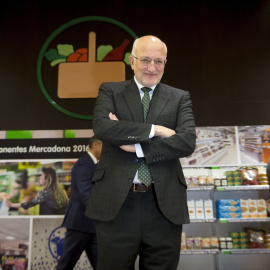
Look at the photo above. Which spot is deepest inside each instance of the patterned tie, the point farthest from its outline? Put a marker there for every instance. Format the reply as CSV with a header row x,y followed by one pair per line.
x,y
144,173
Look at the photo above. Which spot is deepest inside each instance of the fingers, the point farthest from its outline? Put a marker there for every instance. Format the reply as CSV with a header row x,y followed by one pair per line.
x,y
112,116
128,148
163,131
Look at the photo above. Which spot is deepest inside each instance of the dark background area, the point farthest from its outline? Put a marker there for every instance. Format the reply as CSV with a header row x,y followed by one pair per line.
x,y
217,50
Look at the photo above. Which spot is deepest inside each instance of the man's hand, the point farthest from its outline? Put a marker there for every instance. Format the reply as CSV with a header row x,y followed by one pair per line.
x,y
163,131
128,148
112,116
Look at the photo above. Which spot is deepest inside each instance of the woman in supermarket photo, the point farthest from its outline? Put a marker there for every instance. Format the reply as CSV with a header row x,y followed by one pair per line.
x,y
52,199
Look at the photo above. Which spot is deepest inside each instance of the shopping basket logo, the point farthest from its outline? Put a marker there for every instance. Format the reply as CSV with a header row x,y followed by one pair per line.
x,y
74,61
82,79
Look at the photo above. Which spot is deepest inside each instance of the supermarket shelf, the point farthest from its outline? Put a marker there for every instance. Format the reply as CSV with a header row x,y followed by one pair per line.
x,y
224,251
199,252
202,220
200,188
246,251
208,140
222,166
231,220
215,155
255,187
229,188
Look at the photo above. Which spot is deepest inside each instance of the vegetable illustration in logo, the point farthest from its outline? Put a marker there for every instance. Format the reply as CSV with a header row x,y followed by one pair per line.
x,y
80,72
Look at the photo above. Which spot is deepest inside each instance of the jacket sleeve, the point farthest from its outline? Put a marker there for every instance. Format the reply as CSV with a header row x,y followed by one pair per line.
x,y
181,144
82,174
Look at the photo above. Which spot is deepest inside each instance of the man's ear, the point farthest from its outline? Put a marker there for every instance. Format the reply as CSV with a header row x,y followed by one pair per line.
x,y
95,143
131,61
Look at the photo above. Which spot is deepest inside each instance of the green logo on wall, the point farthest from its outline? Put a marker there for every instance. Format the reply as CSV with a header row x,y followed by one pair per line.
x,y
75,66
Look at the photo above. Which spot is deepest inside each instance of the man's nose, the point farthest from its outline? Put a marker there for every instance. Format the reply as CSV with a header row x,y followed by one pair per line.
x,y
152,66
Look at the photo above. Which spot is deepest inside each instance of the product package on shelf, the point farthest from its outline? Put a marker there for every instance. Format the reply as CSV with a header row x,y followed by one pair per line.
x,y
200,209
208,209
244,208
191,209
249,175
253,208
240,240
256,237
199,242
228,208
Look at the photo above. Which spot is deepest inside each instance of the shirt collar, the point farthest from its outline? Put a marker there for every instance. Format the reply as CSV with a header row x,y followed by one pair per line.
x,y
93,157
140,86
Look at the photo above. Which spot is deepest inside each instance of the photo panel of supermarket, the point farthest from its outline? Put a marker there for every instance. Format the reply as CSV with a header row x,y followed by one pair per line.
x,y
22,190
254,144
214,146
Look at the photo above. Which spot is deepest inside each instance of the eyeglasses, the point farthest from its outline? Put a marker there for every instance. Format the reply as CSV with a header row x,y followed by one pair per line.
x,y
146,61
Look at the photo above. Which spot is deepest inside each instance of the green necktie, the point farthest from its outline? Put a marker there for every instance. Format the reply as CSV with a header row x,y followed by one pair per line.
x,y
144,173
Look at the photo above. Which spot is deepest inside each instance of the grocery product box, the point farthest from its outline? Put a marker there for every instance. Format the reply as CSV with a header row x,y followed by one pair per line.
x,y
229,214
183,241
191,203
199,209
228,208
189,243
253,209
228,202
244,208
208,209
261,208
191,209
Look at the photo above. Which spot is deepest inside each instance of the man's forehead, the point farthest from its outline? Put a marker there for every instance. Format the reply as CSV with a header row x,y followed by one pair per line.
x,y
149,47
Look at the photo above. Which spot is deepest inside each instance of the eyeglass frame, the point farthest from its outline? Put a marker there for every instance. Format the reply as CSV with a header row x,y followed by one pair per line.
x,y
148,58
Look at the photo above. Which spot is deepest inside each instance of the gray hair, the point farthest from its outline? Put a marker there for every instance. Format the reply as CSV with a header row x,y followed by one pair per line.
x,y
135,44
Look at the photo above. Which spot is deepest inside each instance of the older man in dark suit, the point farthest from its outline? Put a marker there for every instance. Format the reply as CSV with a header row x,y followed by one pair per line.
x,y
138,197
81,233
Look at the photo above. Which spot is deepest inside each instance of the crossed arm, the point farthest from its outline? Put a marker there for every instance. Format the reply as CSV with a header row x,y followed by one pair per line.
x,y
159,131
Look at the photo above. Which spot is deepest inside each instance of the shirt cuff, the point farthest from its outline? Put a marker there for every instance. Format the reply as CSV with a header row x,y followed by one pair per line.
x,y
139,151
152,132
138,148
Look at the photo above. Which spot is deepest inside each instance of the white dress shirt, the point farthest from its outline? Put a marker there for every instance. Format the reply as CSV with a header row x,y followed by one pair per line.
x,y
93,157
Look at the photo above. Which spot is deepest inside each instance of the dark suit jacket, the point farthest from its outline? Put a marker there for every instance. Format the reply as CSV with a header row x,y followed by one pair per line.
x,y
81,175
170,107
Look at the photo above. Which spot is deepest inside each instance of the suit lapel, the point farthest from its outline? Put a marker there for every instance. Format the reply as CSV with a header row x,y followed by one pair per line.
x,y
132,97
158,102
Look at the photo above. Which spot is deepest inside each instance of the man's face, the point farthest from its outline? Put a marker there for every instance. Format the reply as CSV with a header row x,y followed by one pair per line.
x,y
150,48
